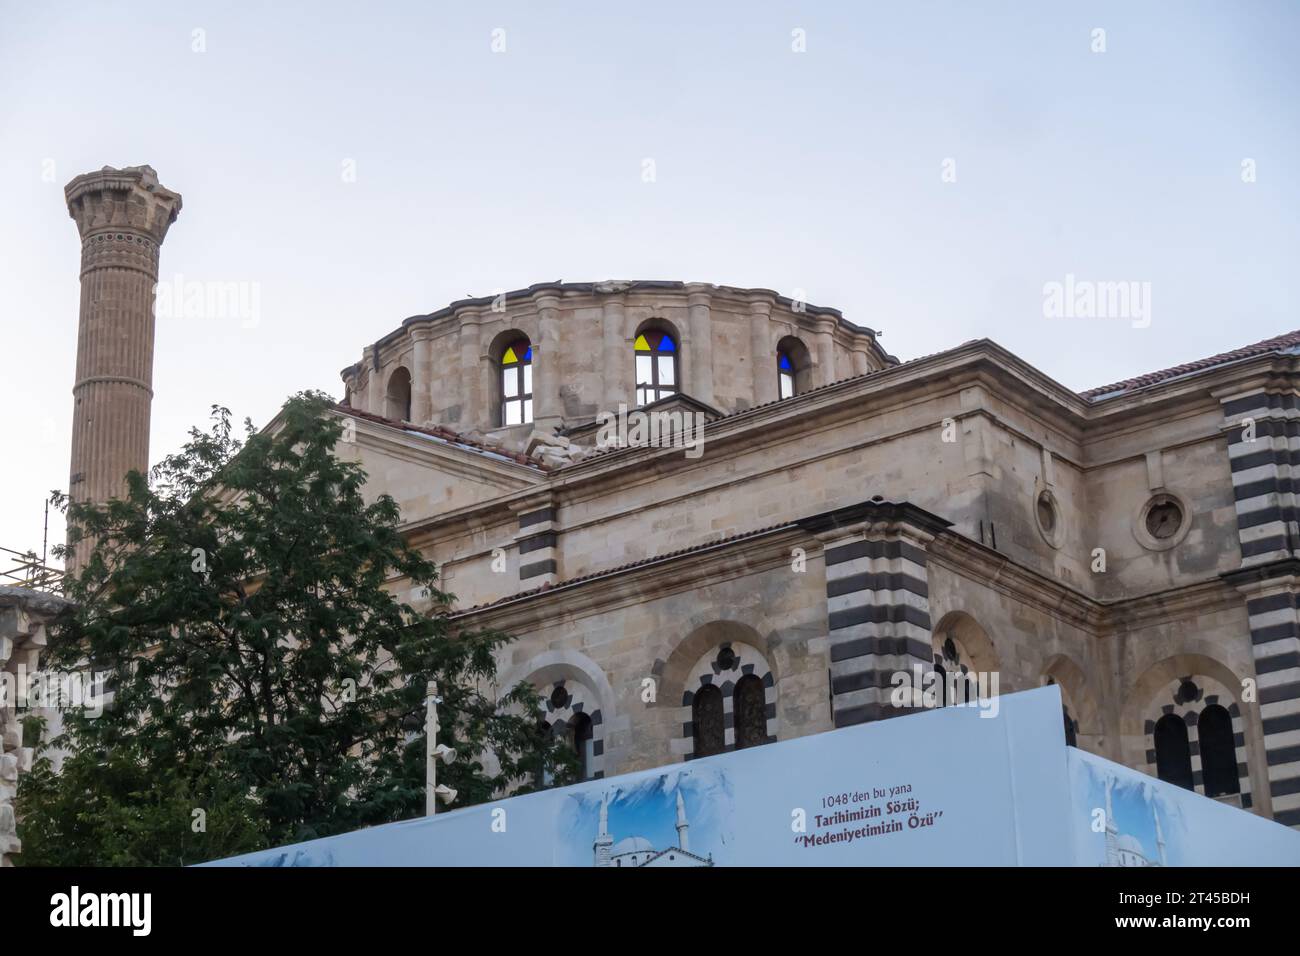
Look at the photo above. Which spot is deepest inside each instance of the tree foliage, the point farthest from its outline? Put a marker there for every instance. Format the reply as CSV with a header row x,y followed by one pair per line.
x,y
268,635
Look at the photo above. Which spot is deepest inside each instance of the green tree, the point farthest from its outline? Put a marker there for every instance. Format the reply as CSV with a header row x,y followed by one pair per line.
x,y
262,667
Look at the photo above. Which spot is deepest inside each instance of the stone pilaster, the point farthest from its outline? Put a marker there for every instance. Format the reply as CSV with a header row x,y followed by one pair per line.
x,y
762,352
699,357
537,543
1273,607
861,363
548,407
477,411
877,604
1263,430
374,381
1263,448
122,216
825,351
422,376
619,364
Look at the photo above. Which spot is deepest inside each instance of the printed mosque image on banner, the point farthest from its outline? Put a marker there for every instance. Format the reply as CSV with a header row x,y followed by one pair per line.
x,y
1130,824
672,819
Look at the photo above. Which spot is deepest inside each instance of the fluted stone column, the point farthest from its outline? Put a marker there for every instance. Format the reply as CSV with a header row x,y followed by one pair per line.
x,y
762,352
619,363
122,216
422,376
699,358
548,409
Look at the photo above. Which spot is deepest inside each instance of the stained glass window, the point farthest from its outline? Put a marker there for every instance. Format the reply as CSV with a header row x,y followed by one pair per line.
x,y
785,374
517,384
656,366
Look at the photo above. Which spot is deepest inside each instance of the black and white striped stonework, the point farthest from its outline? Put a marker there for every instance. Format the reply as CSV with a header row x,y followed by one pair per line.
x,y
746,662
577,699
1263,447
536,541
878,613
1211,692
1275,637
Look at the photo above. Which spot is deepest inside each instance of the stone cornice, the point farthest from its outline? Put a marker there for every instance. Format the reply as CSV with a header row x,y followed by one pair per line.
x,y
646,580
760,551
573,294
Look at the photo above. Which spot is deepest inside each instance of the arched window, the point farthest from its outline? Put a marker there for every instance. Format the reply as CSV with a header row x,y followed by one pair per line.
x,y
517,383
785,374
397,400
1218,752
750,712
793,367
582,740
1173,755
542,776
656,366
706,719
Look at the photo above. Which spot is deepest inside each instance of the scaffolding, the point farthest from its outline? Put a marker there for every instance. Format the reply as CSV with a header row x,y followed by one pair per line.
x,y
25,570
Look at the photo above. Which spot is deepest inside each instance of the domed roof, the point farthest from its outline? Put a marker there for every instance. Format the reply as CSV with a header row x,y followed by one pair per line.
x,y
631,845
1131,844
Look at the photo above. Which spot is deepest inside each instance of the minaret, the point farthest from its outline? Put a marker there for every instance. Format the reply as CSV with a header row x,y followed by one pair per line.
x,y
603,840
1160,836
122,215
1112,830
683,837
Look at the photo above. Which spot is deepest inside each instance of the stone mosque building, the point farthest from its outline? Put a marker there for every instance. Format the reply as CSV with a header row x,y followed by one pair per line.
x,y
845,516
849,516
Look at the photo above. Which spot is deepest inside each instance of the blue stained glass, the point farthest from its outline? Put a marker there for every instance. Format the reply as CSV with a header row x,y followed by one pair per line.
x,y
784,362
528,356
666,344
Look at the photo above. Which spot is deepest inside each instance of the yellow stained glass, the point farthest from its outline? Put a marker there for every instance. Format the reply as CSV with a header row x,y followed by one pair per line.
x,y
641,344
510,357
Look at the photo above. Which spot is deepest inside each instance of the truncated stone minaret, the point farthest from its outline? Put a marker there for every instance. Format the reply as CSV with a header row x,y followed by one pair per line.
x,y
123,216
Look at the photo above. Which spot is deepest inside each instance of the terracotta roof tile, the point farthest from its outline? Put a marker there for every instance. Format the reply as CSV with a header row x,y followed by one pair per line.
x,y
1278,343
617,569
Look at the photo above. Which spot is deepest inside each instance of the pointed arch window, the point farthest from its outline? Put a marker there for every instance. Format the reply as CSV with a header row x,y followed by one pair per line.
x,y
517,383
785,374
750,712
582,740
656,366
1173,754
1218,751
707,721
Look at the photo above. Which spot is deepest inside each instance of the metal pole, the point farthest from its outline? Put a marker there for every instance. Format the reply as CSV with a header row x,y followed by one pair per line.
x,y
430,742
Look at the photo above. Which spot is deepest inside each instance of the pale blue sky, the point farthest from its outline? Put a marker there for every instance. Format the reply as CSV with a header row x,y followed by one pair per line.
x,y
478,171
